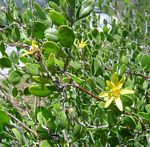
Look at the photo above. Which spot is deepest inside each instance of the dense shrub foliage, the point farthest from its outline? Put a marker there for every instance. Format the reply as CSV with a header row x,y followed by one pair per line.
x,y
79,75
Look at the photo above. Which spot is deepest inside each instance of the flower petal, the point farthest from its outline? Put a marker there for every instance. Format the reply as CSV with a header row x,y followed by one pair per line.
x,y
103,94
110,85
126,91
121,82
108,102
119,103
114,78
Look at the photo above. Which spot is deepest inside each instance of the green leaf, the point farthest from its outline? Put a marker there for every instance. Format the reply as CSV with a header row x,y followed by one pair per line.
x,y
23,59
51,34
54,6
147,107
71,3
126,100
38,29
4,118
96,36
76,131
145,117
63,120
40,80
51,47
129,122
105,29
27,16
39,11
15,92
45,143
125,60
145,61
122,69
51,61
15,34
32,69
40,118
59,63
14,57
5,62
126,1
57,18
39,90
76,79
86,8
75,64
66,36
15,77
2,48
17,135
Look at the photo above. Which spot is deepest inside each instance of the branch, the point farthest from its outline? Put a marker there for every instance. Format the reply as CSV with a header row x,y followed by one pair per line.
x,y
80,88
67,60
22,124
84,90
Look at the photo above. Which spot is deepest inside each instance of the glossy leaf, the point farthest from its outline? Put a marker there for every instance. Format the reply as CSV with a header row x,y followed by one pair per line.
x,y
39,90
4,118
51,61
86,8
40,80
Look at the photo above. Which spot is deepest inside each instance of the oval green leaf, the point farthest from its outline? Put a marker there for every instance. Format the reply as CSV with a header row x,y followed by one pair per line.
x,y
39,11
39,90
5,62
15,77
86,8
51,47
66,36
4,118
32,69
57,18
50,61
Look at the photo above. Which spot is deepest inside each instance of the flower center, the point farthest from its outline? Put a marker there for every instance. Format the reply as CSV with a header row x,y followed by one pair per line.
x,y
115,92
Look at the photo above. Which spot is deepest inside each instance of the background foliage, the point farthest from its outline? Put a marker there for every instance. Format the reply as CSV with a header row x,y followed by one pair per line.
x,y
63,57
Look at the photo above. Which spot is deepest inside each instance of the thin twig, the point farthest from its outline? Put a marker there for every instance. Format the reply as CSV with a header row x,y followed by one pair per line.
x,y
80,88
84,90
22,124
67,60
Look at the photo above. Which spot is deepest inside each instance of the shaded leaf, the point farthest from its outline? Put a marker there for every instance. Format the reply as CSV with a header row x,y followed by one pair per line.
x,y
5,62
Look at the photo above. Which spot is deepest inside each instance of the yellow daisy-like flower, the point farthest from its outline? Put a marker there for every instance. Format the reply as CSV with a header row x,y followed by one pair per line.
x,y
34,47
82,44
115,90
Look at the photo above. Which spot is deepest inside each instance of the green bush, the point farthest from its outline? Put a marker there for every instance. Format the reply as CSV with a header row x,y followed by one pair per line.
x,y
72,82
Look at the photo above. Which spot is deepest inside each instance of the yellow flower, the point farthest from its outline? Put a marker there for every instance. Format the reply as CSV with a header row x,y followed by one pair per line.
x,y
115,90
82,44
34,47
